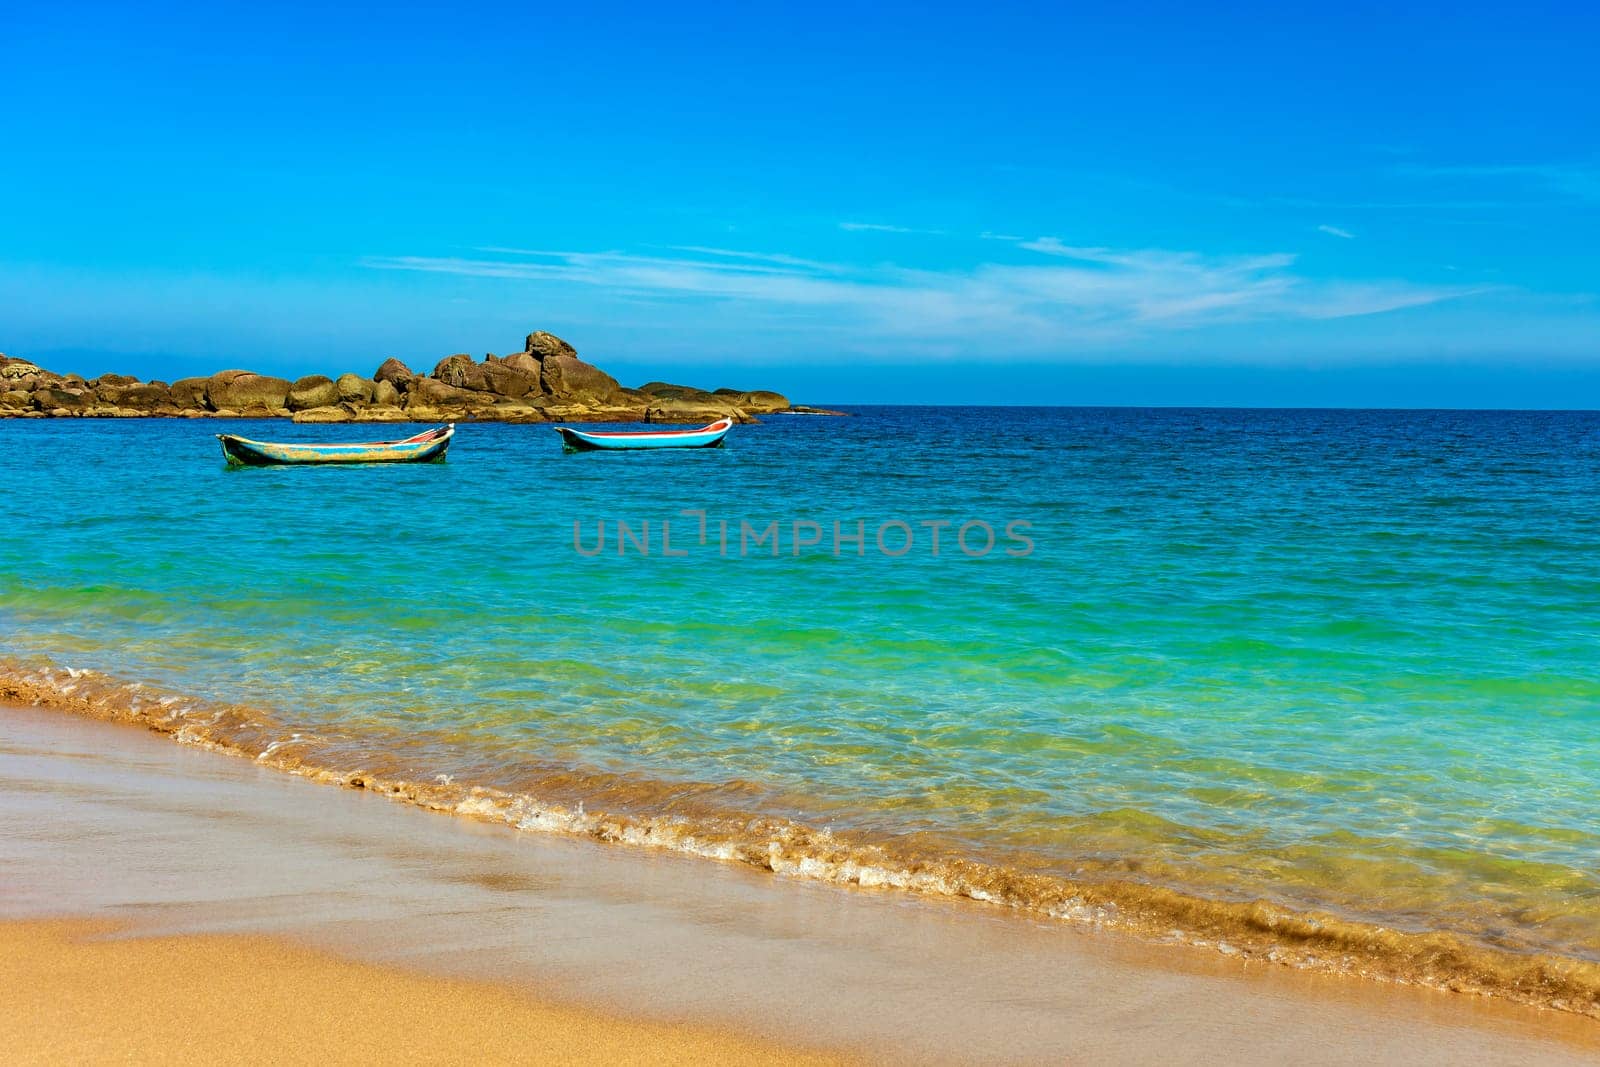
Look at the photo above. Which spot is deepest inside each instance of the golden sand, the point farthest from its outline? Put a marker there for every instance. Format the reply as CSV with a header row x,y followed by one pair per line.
x,y
75,993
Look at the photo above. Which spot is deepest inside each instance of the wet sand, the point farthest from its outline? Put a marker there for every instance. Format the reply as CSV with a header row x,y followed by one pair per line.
x,y
299,909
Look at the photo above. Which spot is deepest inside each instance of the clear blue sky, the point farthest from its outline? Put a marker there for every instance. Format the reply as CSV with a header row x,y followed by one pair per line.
x,y
1137,203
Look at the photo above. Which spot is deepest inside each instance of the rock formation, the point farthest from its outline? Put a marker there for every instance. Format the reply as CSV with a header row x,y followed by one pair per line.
x,y
546,381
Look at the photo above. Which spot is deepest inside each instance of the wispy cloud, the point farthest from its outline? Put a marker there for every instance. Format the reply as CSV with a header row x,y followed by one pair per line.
x,y
1048,294
1335,231
879,227
1578,180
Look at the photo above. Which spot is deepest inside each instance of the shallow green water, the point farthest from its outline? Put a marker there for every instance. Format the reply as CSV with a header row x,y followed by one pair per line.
x,y
1334,658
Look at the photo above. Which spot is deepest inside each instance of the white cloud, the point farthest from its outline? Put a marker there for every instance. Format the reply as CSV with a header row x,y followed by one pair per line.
x,y
878,227
1335,231
1579,180
1063,294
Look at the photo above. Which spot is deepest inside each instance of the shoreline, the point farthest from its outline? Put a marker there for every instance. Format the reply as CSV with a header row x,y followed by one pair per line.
x,y
1250,930
658,936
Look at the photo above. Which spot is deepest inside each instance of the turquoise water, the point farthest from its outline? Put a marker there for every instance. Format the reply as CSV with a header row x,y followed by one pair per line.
x,y
1343,660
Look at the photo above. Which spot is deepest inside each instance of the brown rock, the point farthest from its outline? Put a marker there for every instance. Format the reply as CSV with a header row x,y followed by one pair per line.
x,y
680,409
312,391
510,381
53,398
241,389
384,394
11,369
142,396
430,393
570,377
761,401
543,345
523,362
189,393
354,389
325,413
462,372
625,412
16,400
392,370
667,389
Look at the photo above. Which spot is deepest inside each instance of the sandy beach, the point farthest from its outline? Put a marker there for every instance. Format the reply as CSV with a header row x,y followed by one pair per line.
x,y
201,906
214,999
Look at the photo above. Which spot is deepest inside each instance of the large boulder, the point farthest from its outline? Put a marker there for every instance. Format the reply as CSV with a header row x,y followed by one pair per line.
x,y
325,413
569,377
242,390
12,369
113,381
668,390
189,393
434,394
139,396
392,370
462,372
354,389
384,394
56,398
679,409
505,380
313,391
541,346
377,414
523,362
761,401
16,400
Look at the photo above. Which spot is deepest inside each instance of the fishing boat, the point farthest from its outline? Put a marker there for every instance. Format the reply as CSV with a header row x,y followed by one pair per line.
x,y
709,436
423,448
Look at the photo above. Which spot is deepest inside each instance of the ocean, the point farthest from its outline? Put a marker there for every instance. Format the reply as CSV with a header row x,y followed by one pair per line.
x,y
1319,687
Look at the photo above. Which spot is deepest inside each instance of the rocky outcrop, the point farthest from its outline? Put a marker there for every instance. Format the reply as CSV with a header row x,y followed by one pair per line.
x,y
570,377
313,391
15,369
691,409
395,372
189,393
386,395
354,389
433,393
462,372
242,390
760,402
541,346
503,379
546,381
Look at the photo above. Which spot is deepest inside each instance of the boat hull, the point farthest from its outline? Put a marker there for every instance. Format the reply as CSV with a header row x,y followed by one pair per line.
x,y
426,447
709,436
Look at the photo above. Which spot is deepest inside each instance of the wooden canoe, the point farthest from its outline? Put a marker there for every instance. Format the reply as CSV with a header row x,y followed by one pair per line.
x,y
709,436
423,448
